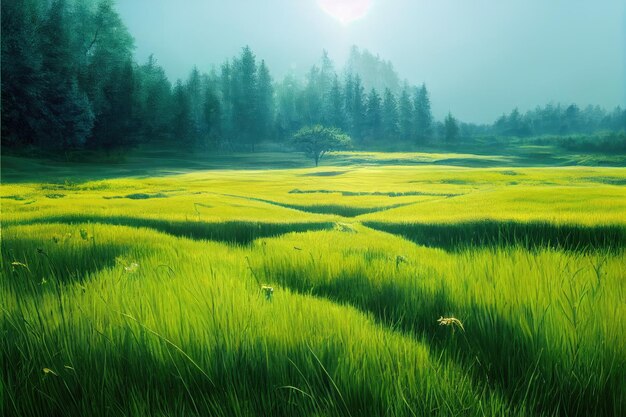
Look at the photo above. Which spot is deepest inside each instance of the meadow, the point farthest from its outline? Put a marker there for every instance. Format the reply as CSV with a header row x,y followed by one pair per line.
x,y
375,285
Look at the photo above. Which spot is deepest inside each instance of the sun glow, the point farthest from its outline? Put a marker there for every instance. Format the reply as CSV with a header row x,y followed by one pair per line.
x,y
346,11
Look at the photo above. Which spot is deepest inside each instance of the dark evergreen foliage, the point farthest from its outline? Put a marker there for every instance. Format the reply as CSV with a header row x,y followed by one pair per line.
x,y
423,116
451,129
405,113
390,119
374,121
69,81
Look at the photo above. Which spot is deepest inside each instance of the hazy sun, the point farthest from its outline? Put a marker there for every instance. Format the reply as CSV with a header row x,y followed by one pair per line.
x,y
346,11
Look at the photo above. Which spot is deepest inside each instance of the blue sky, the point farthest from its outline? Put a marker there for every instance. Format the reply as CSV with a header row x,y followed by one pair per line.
x,y
478,58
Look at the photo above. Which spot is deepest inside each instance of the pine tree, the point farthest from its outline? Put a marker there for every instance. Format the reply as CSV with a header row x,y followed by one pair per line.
x,y
335,106
405,113
244,84
571,120
226,91
374,71
374,116
155,101
182,116
312,98
115,125
390,116
23,83
265,101
423,116
358,115
451,129
349,101
196,89
326,76
108,78
212,116
68,116
110,48
288,115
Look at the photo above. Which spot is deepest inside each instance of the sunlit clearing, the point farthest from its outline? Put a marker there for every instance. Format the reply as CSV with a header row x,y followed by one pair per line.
x,y
346,11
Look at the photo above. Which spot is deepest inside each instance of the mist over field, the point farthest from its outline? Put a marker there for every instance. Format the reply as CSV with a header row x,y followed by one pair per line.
x,y
313,208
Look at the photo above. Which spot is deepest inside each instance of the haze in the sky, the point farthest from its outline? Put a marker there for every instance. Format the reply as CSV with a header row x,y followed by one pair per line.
x,y
479,58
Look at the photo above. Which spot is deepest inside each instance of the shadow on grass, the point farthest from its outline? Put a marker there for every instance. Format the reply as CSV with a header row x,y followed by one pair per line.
x,y
491,349
43,262
339,210
332,209
232,232
458,236
185,378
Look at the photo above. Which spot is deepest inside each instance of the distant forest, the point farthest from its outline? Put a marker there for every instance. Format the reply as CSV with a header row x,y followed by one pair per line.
x,y
70,81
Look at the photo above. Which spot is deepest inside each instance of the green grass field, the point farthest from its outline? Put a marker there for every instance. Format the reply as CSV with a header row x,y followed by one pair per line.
x,y
133,291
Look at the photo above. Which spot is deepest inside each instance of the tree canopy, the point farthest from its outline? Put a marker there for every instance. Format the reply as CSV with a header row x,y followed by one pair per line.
x,y
316,141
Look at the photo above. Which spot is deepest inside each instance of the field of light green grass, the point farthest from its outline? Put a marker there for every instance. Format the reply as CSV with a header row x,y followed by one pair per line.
x,y
402,286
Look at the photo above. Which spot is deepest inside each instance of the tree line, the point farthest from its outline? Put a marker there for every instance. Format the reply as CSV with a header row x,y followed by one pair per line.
x,y
561,120
555,120
69,80
68,76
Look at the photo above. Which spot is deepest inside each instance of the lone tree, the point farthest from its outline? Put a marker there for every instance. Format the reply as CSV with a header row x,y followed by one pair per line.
x,y
316,141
